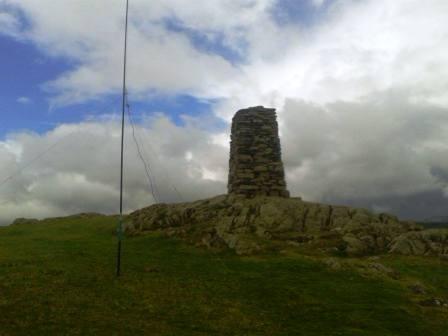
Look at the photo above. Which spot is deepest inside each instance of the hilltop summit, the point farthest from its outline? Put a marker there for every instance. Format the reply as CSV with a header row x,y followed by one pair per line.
x,y
258,214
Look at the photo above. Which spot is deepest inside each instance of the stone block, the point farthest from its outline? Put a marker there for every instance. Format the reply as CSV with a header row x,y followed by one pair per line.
x,y
255,154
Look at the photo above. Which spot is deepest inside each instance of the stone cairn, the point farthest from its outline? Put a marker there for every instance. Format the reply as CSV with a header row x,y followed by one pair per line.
x,y
255,165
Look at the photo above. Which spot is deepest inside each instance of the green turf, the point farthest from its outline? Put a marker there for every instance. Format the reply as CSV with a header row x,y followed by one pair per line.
x,y
57,278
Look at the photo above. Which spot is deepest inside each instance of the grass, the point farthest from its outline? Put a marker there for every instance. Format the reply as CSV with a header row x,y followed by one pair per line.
x,y
434,225
57,278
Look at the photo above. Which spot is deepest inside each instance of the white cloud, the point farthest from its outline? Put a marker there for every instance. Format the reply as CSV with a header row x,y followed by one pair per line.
x,y
361,95
81,172
318,3
358,47
376,151
361,47
23,100
9,24
383,146
160,59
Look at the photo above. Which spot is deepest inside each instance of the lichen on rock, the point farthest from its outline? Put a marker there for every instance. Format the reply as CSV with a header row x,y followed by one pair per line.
x,y
250,225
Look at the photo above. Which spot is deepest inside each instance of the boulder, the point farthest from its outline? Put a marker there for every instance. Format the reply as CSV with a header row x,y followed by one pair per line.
x,y
425,242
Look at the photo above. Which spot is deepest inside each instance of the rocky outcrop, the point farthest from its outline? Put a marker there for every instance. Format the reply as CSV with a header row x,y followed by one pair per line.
x,y
84,215
427,242
21,221
257,213
251,225
255,165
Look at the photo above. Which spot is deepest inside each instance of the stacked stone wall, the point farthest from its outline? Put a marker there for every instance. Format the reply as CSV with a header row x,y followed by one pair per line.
x,y
255,165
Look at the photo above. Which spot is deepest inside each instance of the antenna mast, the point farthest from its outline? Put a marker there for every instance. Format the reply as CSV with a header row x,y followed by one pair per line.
x,y
124,97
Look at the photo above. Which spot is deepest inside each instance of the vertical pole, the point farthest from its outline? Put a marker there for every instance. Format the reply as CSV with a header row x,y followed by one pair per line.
x,y
120,222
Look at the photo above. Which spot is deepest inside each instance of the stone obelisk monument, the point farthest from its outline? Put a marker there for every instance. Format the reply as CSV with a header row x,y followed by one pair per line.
x,y
255,165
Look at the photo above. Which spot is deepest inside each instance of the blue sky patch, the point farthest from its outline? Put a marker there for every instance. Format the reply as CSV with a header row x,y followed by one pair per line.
x,y
23,71
24,105
298,12
177,106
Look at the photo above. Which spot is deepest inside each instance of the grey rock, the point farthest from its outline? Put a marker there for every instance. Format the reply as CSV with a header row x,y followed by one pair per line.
x,y
21,221
246,224
417,288
255,165
258,209
434,302
425,242
333,264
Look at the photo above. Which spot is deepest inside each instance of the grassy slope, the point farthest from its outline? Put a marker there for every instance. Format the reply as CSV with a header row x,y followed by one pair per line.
x,y
437,225
57,278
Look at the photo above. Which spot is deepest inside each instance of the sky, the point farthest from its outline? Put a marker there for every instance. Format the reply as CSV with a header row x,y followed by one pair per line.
x,y
360,88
